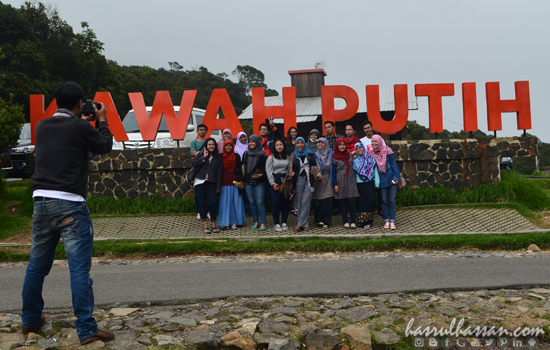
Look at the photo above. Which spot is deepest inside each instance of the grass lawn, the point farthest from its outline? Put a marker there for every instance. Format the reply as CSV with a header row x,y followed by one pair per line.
x,y
531,198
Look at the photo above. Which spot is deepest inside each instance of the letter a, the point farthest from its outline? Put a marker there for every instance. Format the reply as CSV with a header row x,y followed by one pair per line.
x,y
220,100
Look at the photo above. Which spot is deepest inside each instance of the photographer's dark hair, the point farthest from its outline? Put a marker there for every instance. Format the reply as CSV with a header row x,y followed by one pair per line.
x,y
68,94
202,126
283,154
215,153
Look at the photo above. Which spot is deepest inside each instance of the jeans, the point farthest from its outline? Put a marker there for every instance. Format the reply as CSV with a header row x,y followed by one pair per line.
x,y
279,205
54,219
205,195
256,198
388,202
344,204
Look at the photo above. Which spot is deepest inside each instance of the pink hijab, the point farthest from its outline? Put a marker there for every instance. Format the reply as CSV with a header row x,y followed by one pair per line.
x,y
379,153
221,142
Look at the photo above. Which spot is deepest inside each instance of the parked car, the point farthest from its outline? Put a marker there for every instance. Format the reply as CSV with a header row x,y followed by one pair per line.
x,y
17,156
506,163
163,139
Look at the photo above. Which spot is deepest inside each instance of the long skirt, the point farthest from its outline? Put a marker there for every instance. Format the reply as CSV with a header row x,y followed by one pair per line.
x,y
231,207
303,200
365,203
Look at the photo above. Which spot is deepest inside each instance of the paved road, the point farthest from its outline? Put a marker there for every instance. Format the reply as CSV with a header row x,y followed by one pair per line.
x,y
178,282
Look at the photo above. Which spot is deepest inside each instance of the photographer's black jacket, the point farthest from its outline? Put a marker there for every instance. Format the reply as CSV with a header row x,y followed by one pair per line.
x,y
62,146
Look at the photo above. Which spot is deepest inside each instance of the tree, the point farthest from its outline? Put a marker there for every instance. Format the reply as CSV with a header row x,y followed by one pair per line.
x,y
11,121
249,77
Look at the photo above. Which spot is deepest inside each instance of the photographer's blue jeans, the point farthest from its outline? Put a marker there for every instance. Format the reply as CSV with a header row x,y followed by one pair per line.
x,y
52,220
388,202
256,198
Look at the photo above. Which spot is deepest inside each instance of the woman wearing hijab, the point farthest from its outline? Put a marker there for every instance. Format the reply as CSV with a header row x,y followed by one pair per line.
x,y
255,179
231,213
313,139
207,183
324,183
226,135
302,168
389,176
276,168
346,187
366,176
241,144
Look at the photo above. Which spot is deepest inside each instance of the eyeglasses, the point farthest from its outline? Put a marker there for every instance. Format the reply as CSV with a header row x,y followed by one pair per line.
x,y
264,129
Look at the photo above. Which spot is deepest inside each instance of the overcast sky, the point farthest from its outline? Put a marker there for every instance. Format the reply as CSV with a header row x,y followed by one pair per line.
x,y
361,42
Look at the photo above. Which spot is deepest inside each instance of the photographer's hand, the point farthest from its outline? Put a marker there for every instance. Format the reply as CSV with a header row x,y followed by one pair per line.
x,y
101,114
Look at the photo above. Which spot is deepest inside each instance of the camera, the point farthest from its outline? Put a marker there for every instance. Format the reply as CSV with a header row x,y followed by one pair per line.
x,y
88,107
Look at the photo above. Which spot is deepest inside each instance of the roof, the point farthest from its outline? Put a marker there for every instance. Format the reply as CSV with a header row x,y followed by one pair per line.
x,y
306,71
311,107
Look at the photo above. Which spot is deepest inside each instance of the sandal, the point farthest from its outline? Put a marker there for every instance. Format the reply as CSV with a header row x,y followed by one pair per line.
x,y
215,229
206,230
346,225
352,226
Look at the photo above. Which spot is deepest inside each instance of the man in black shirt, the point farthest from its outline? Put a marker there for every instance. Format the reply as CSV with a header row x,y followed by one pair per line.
x,y
59,187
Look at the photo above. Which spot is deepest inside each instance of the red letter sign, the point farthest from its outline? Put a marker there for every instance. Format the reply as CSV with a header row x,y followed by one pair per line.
x,y
38,113
149,125
287,111
220,99
328,93
495,106
115,124
469,106
435,93
401,109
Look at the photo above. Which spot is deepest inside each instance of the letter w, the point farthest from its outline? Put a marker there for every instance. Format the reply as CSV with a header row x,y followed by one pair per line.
x,y
149,125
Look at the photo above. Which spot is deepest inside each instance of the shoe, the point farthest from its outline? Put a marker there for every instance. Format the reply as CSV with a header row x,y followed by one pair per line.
x,y
325,226
320,224
215,229
366,227
36,329
262,228
284,226
254,227
198,216
298,228
295,212
392,226
104,335
346,225
352,226
206,230
305,229
233,227
278,227
208,216
387,224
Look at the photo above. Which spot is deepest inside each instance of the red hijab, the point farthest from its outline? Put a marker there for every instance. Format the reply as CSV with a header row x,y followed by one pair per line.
x,y
343,156
229,159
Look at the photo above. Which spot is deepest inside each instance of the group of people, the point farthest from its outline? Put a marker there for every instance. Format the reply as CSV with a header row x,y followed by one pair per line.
x,y
330,171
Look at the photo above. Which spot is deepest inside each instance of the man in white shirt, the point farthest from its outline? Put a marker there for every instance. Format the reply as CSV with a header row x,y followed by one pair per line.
x,y
369,132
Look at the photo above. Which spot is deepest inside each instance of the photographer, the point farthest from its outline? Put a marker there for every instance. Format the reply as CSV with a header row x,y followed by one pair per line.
x,y
59,190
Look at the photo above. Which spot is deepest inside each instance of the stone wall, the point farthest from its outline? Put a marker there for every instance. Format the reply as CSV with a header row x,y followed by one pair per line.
x,y
450,163
457,162
141,173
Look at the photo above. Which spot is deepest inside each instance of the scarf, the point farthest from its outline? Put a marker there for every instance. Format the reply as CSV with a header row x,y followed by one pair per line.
x,y
380,153
240,148
364,164
229,158
254,154
324,156
350,144
304,152
221,143
343,156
